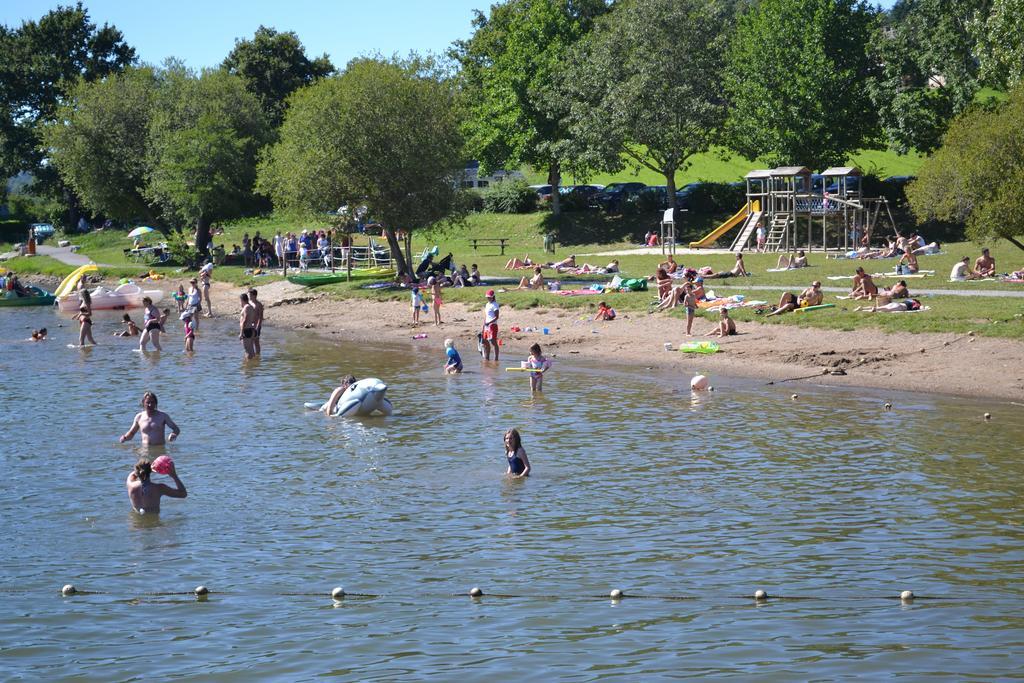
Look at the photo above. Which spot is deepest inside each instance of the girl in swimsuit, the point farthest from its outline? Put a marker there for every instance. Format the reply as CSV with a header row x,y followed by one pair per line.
x,y
515,454
85,327
539,363
435,290
180,298
150,325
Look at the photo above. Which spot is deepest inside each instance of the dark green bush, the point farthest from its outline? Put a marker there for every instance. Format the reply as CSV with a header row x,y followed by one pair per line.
x,y
510,196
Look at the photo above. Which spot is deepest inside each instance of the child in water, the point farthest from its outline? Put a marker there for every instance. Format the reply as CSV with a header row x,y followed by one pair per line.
x,y
453,362
190,332
604,312
417,305
180,297
130,330
85,326
515,454
39,335
539,364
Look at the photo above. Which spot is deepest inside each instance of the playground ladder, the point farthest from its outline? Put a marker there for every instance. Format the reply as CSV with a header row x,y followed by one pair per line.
x,y
748,228
777,232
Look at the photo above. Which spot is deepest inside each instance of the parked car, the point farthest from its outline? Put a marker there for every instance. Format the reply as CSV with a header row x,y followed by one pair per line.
x,y
543,191
585,190
614,194
685,194
42,230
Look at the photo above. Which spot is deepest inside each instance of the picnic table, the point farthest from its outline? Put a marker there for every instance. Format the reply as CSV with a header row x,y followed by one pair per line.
x,y
489,242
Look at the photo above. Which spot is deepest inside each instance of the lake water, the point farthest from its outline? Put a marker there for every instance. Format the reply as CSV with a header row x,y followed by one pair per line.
x,y
689,504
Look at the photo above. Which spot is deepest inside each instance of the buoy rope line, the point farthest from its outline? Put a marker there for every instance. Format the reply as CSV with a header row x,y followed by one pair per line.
x,y
338,593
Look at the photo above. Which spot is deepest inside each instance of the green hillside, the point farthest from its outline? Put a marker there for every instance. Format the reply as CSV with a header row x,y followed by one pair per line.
x,y
719,166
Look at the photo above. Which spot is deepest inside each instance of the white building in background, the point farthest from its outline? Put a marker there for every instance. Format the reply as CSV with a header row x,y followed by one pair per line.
x,y
471,176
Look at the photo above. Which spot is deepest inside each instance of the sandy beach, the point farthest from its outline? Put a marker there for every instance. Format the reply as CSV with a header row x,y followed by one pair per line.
x,y
959,365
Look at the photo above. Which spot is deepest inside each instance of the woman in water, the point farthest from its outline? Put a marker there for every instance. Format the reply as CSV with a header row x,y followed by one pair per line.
x,y
144,495
85,326
518,463
150,325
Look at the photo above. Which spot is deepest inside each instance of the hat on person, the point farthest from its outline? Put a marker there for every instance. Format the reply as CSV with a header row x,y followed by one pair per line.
x,y
490,293
185,316
431,280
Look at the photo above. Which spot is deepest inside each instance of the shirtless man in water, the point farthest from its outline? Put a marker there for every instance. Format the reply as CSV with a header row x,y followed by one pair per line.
x,y
247,326
144,495
152,423
258,306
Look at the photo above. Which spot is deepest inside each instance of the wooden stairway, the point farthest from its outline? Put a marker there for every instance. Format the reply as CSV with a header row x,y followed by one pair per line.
x,y
777,232
749,226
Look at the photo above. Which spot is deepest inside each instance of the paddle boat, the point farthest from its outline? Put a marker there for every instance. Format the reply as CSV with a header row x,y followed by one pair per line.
x,y
360,398
37,297
128,295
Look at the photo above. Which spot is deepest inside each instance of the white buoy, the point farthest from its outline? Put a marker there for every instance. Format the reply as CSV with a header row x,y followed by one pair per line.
x,y
888,406
201,591
68,589
794,397
475,592
338,593
988,416
760,595
699,383
616,594
907,596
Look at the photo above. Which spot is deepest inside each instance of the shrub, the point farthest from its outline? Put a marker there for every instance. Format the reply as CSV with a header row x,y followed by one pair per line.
x,y
510,196
716,198
181,251
650,201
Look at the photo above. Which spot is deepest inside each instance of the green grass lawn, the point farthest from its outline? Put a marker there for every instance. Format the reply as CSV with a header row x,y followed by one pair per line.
x,y
723,167
591,233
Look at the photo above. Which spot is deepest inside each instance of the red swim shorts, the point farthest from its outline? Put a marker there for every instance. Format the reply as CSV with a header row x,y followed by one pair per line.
x,y
491,331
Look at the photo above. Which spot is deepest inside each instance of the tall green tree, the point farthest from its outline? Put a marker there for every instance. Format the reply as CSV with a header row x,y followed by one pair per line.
x,y
795,78
927,69
382,134
204,139
40,62
511,69
1000,46
100,143
647,86
977,174
273,66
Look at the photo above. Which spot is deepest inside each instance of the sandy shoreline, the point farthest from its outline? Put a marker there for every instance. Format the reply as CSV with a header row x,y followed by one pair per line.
x,y
950,364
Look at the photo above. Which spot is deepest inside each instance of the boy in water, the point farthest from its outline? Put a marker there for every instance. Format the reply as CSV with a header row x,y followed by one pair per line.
x,y
144,495
540,365
453,362
130,329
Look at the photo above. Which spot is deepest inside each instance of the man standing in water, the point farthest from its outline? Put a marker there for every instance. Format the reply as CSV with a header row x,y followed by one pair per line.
x,y
144,495
247,326
258,327
152,423
489,335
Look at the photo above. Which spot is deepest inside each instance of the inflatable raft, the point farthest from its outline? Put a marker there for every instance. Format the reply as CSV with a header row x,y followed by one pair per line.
x,y
364,397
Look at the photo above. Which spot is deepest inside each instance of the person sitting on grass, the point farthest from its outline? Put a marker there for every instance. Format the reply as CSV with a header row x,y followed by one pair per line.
x,y
962,270
798,260
726,325
897,291
664,281
812,296
669,265
985,266
738,270
535,282
910,259
864,286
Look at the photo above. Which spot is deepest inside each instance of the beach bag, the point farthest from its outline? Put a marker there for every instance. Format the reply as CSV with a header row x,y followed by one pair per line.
x,y
636,284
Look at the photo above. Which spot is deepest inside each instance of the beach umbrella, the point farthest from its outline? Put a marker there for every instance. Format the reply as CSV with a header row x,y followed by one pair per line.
x,y
140,231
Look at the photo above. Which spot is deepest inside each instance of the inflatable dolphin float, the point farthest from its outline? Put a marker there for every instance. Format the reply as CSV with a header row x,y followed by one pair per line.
x,y
360,398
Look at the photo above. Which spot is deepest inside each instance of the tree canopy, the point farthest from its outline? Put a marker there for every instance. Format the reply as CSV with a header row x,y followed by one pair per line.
x,y
511,70
381,134
928,71
977,174
1000,46
40,63
273,66
647,86
795,78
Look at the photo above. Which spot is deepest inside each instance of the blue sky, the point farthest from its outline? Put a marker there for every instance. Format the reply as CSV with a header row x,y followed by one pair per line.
x,y
202,32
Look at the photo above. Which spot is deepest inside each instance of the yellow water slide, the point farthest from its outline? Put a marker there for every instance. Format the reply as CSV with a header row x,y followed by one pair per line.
x,y
71,281
736,219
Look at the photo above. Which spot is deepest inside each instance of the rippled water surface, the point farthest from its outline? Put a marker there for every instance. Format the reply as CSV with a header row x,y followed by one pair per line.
x,y
827,501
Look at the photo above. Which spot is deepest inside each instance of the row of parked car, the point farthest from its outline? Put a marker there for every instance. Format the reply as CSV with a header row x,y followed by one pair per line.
x,y
611,197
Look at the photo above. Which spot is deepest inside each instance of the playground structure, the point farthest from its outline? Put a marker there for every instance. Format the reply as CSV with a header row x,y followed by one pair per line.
x,y
789,200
